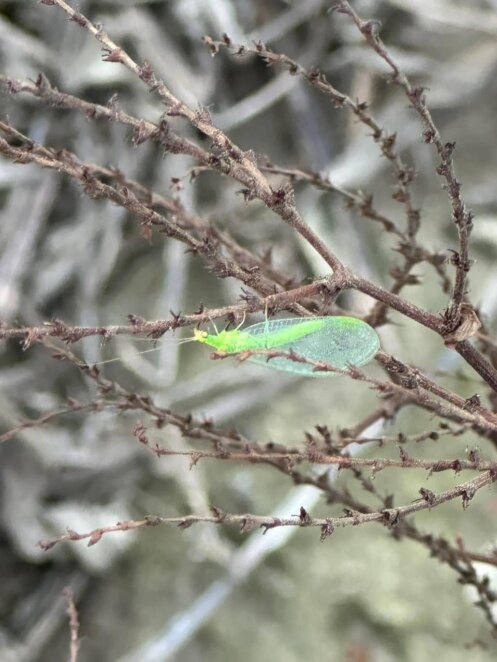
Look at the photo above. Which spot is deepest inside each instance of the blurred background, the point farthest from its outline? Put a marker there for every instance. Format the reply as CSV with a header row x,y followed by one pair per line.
x,y
207,592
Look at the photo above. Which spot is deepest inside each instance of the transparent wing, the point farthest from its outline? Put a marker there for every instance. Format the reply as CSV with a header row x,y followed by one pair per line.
x,y
340,341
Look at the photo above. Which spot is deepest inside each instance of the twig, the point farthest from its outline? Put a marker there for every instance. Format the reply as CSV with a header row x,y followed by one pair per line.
x,y
313,456
342,278
389,516
73,624
238,164
461,217
48,417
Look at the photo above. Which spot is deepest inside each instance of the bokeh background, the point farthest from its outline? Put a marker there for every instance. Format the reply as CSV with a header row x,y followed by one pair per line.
x,y
209,593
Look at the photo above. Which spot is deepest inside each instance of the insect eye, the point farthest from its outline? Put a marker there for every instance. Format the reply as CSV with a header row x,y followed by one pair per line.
x,y
204,334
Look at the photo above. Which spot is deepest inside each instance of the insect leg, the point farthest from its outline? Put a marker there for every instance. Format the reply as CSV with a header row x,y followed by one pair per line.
x,y
242,322
214,325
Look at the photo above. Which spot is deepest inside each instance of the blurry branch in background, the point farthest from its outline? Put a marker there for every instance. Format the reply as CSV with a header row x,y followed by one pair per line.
x,y
73,624
275,291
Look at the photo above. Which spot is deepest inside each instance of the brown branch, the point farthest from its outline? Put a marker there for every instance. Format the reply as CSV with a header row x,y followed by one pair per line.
x,y
355,200
338,99
454,408
414,389
358,201
148,217
72,407
443,430
224,440
73,624
142,131
156,329
454,556
412,252
472,356
242,165
389,516
462,218
293,457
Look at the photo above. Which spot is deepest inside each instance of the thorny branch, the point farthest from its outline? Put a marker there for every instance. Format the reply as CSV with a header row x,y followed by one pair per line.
x,y
389,516
280,202
340,280
223,441
294,457
226,257
238,164
462,218
412,252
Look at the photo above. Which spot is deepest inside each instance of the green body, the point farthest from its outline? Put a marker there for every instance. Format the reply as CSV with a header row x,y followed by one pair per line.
x,y
241,341
338,341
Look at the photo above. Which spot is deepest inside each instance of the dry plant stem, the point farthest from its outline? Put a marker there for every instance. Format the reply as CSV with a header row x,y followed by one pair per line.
x,y
471,355
385,411
397,303
440,549
354,200
243,166
191,428
389,516
242,264
48,417
156,329
318,80
118,55
411,377
64,161
73,624
363,203
399,439
413,389
461,217
144,130
123,196
457,557
205,430
408,247
225,441
190,221
95,188
340,280
476,360
313,456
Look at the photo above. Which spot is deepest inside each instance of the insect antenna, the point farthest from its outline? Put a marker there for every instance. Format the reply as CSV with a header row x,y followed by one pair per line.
x,y
182,341
118,358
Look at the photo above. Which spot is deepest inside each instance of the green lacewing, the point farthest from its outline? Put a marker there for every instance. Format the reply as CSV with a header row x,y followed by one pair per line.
x,y
339,341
